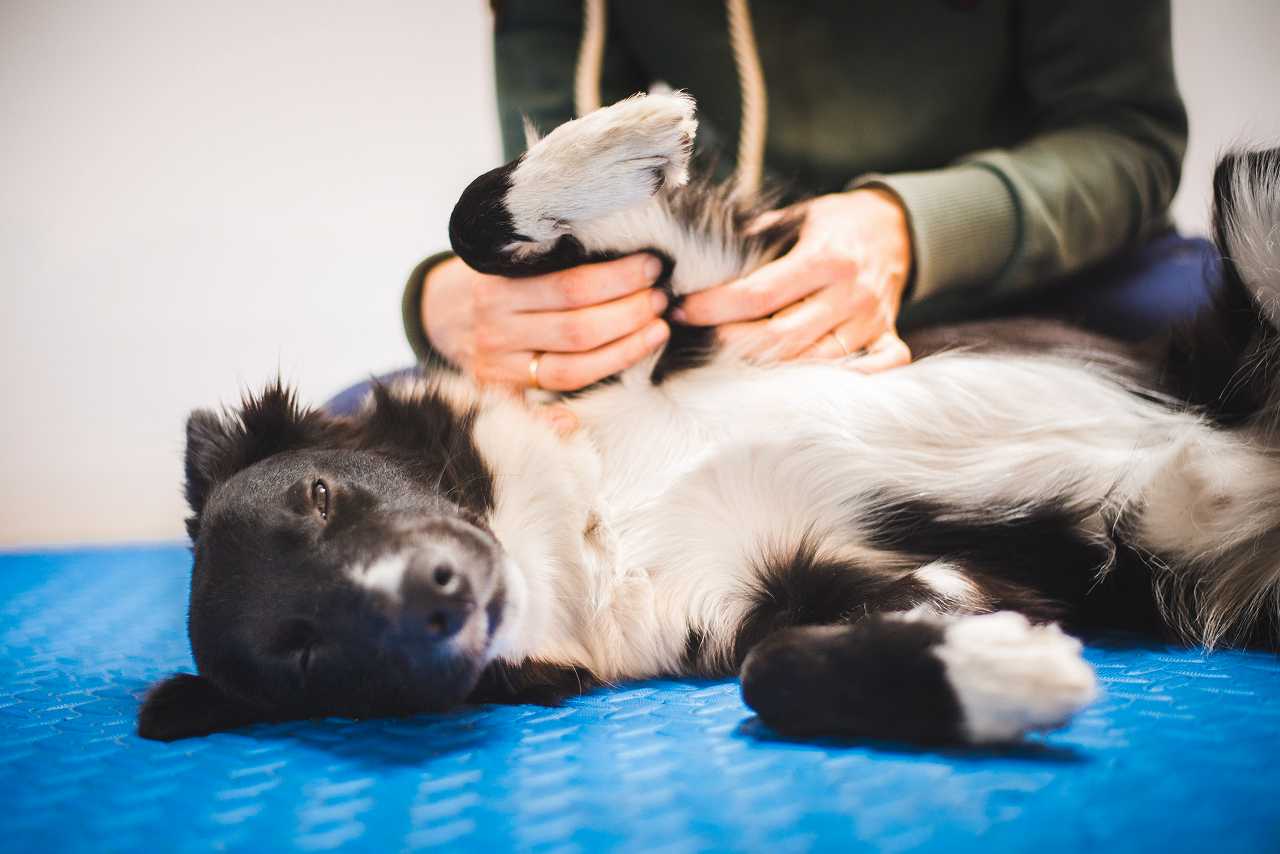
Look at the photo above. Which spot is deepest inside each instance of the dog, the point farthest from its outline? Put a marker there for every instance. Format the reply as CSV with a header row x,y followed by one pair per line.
x,y
889,556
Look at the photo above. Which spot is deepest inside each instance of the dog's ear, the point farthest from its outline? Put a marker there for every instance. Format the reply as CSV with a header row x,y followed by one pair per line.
x,y
219,446
210,447
184,705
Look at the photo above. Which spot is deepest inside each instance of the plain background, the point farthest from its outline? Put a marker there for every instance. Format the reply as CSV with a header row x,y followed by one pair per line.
x,y
196,196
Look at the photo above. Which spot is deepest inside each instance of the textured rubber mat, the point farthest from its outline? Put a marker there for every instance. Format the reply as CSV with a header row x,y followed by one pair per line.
x,y
1183,754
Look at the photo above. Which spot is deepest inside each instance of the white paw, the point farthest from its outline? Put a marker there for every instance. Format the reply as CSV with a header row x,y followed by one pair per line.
x,y
1012,677
604,162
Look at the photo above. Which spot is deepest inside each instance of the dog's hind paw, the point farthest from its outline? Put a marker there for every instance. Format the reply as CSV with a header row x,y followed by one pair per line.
x,y
604,162
1011,677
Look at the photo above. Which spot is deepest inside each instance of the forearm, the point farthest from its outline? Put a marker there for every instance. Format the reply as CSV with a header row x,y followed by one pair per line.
x,y
1009,218
1082,194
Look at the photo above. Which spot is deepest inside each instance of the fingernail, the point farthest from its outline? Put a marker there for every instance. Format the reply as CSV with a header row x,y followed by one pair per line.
x,y
656,334
652,268
658,300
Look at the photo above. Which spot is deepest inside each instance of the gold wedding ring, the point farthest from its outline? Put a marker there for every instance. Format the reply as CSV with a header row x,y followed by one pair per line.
x,y
533,369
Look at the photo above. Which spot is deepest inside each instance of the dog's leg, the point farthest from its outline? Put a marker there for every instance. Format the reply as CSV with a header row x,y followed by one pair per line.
x,y
525,217
919,677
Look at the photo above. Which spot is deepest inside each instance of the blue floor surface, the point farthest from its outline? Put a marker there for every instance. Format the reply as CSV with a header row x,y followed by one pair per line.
x,y
1181,755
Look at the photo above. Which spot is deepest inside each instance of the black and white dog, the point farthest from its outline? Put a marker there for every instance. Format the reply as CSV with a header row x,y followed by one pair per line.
x,y
886,556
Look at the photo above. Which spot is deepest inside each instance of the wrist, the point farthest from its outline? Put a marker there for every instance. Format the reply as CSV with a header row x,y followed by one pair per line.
x,y
893,230
413,308
443,286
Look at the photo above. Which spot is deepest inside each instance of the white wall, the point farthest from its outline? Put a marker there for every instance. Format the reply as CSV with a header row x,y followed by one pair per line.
x,y
196,195
1227,54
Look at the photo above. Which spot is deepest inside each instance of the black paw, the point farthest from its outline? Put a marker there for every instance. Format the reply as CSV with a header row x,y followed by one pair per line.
x,y
875,679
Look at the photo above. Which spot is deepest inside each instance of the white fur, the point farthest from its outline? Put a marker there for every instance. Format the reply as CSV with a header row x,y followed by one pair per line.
x,y
601,163
593,178
545,495
383,575
1011,677
949,584
1252,234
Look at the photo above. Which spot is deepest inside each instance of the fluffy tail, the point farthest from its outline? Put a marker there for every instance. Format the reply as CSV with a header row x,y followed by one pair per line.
x,y
1225,363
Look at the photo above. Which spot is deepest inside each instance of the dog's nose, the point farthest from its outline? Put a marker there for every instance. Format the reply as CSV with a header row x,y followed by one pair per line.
x,y
436,594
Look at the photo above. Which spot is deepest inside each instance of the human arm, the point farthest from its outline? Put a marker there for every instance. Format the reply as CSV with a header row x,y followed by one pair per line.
x,y
1095,170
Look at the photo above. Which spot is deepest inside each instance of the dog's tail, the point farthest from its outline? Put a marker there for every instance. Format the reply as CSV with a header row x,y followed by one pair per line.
x,y
1225,363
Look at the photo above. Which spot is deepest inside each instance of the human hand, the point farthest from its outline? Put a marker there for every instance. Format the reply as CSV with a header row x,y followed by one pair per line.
x,y
834,294
582,324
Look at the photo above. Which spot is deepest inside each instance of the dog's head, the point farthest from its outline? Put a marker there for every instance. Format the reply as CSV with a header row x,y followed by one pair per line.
x,y
341,565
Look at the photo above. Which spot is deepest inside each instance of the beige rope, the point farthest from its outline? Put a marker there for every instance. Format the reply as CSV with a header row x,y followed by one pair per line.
x,y
586,77
755,102
746,58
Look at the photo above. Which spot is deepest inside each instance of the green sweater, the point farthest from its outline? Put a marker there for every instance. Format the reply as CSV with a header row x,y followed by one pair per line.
x,y
1027,140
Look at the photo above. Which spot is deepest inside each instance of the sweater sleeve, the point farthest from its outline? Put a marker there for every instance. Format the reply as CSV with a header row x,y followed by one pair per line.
x,y
1095,174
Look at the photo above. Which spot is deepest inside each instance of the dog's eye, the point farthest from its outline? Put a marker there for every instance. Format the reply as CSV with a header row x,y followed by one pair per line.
x,y
320,498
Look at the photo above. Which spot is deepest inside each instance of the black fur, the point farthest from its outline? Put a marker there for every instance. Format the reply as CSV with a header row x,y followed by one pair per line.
x,y
184,706
1041,560
432,437
277,623
541,683
687,347
804,589
480,226
877,678
1211,362
268,424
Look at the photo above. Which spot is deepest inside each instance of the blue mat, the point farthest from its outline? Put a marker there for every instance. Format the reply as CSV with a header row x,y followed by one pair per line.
x,y
1181,755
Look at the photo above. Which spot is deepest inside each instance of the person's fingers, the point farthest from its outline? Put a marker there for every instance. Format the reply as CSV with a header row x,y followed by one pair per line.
x,y
572,371
576,330
801,325
576,287
747,340
759,294
888,351
569,371
865,323
798,326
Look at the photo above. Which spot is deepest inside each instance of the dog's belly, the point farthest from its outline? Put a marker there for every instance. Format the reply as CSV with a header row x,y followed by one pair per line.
x,y
962,425
708,473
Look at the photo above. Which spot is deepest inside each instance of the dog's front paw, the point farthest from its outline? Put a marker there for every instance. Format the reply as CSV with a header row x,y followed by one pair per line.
x,y
1011,677
604,162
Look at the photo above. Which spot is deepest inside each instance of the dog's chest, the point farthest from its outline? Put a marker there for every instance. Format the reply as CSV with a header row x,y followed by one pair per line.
x,y
651,437
688,490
